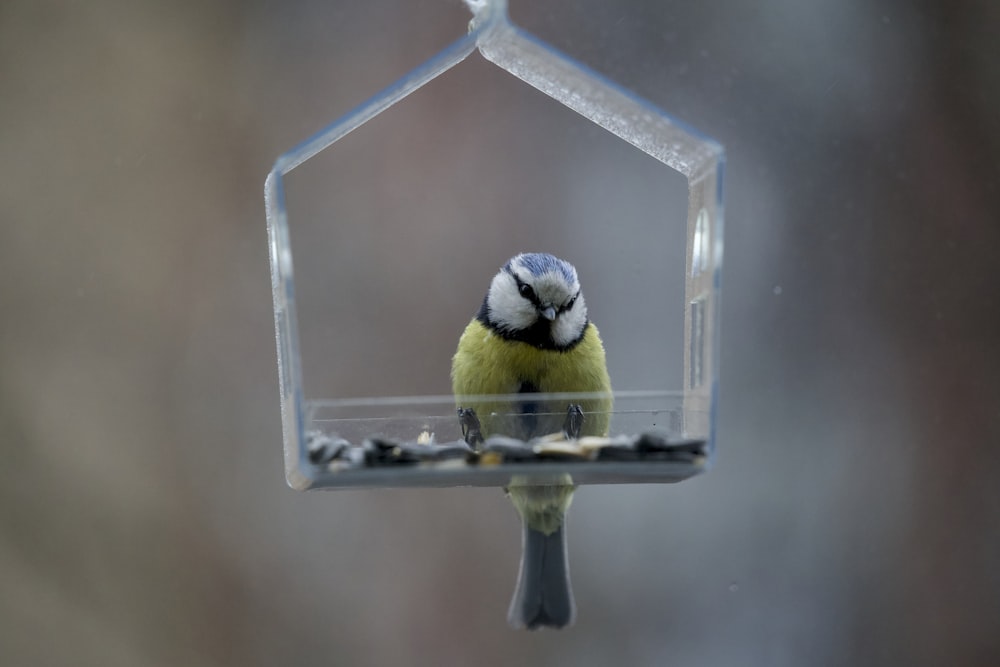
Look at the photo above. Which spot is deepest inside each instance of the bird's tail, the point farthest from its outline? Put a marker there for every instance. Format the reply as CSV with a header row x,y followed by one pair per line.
x,y
543,597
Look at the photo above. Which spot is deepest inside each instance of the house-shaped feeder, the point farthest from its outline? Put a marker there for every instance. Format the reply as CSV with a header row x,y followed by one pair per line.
x,y
657,436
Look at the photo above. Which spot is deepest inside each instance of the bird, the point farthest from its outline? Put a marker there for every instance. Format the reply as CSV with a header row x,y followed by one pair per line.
x,y
531,338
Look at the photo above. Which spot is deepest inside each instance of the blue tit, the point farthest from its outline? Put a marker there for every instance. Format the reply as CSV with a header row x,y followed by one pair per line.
x,y
530,338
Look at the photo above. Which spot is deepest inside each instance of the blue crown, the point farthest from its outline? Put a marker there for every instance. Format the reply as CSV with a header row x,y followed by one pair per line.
x,y
540,263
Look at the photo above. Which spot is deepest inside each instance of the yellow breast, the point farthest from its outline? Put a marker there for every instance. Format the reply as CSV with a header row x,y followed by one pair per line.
x,y
486,364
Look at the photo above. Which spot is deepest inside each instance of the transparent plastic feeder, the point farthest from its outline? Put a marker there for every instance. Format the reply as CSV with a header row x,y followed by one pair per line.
x,y
664,434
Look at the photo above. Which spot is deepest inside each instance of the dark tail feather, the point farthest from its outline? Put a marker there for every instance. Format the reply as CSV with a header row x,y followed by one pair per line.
x,y
543,597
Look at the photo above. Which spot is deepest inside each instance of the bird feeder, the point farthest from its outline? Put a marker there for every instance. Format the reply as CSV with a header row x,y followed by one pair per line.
x,y
660,434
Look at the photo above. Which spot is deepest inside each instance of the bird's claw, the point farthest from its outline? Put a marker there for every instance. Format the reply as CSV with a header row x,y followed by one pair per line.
x,y
574,422
472,431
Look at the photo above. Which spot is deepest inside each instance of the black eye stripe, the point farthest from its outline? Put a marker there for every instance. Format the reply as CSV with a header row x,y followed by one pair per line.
x,y
528,292
525,290
569,304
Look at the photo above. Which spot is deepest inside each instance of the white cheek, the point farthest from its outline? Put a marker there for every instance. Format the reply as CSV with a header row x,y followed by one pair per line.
x,y
508,308
568,326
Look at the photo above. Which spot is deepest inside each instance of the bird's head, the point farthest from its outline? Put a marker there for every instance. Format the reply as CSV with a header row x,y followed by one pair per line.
x,y
536,298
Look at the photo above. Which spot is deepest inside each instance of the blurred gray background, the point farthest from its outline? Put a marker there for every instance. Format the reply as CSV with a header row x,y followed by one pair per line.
x,y
853,516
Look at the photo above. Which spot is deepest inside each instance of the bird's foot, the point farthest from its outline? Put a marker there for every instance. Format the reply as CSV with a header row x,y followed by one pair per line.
x,y
574,422
472,431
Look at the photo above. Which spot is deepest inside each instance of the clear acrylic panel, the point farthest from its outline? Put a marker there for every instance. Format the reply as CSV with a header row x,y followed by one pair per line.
x,y
398,229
